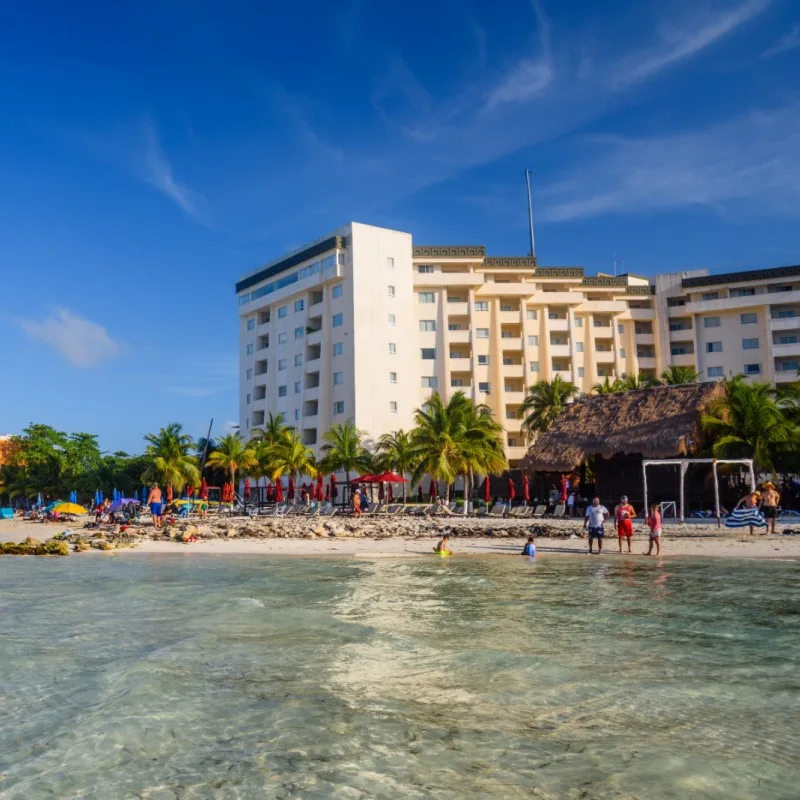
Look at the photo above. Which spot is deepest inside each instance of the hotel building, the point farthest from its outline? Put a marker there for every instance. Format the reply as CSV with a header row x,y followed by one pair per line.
x,y
365,325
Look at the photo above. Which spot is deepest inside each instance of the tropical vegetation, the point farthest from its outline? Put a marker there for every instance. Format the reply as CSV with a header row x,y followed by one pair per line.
x,y
544,401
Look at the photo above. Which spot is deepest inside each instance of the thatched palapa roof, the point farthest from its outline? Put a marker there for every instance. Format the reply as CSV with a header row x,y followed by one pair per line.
x,y
661,422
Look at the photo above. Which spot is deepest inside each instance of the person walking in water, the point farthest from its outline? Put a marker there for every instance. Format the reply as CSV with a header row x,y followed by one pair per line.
x,y
769,505
623,517
530,548
154,501
654,523
596,515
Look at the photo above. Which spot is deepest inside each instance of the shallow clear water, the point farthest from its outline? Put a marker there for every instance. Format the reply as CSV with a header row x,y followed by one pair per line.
x,y
225,677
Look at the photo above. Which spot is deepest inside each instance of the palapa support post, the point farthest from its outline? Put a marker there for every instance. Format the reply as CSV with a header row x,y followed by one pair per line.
x,y
716,492
644,481
683,492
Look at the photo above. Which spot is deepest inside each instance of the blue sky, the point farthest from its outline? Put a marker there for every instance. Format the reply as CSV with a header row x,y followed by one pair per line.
x,y
153,151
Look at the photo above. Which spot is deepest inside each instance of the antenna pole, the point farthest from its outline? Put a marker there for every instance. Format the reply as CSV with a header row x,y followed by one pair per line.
x,y
530,212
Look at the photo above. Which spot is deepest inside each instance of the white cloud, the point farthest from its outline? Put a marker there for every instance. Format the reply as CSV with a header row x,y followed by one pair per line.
x,y
680,45
82,342
749,164
789,41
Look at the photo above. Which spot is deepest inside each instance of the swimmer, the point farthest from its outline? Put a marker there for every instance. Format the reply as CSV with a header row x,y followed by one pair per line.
x,y
442,547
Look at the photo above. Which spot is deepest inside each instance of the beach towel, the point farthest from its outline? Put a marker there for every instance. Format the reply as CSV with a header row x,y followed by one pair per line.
x,y
743,517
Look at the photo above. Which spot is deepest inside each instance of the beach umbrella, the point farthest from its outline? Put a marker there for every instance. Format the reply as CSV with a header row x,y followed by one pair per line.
x,y
312,491
389,493
390,477
279,492
290,490
564,487
433,490
247,488
380,492
319,487
204,489
526,488
39,500
512,490
70,508
144,494
487,490
327,493
334,490
419,494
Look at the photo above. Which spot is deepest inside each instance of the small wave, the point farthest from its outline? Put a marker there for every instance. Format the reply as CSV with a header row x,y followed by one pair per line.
x,y
251,601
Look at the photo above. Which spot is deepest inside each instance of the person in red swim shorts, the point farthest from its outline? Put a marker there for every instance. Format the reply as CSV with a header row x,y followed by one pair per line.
x,y
623,516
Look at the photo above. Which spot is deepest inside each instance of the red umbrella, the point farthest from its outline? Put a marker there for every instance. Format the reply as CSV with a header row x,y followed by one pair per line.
x,y
247,487
512,490
487,490
290,490
432,490
312,491
319,487
389,493
564,487
419,494
169,492
380,491
203,489
334,493
327,493
390,477
526,488
279,491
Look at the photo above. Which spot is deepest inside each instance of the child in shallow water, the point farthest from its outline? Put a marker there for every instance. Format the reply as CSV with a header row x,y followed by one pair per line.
x,y
443,546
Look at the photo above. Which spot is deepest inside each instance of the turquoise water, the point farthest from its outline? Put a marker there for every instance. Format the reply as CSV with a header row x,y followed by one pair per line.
x,y
225,677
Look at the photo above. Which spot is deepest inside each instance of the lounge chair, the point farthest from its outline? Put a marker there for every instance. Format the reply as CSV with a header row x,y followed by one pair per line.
x,y
498,510
394,509
327,511
422,511
559,510
516,511
483,511
525,511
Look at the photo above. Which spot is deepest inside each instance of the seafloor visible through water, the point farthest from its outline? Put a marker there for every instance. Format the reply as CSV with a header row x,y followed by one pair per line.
x,y
229,677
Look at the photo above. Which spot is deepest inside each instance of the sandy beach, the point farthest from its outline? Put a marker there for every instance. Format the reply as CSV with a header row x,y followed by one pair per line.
x,y
398,538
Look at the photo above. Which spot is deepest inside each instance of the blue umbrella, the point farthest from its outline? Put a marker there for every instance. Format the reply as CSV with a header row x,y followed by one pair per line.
x,y
144,494
39,500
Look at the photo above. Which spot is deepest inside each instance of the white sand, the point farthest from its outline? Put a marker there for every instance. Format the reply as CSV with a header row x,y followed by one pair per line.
x,y
678,540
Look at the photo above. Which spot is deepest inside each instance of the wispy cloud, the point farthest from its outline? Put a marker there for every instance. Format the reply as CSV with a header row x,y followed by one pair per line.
x,y
213,374
749,164
680,45
789,41
82,342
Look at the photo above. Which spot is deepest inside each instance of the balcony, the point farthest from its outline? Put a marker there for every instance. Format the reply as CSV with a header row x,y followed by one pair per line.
x,y
647,362
560,350
783,350
509,317
448,279
683,360
564,374
603,307
511,344
513,371
260,392
457,309
785,323
312,382
645,339
459,337
313,352
561,325
605,356
260,367
643,314
517,396
735,303
685,335
310,408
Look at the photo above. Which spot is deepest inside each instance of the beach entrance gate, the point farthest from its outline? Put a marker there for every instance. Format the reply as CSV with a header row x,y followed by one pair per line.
x,y
684,464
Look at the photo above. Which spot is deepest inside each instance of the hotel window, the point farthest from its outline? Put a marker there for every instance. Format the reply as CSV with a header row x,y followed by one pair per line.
x,y
392,320
392,349
283,311
622,352
784,288
679,351
534,365
389,261
428,353
749,344
483,361
716,372
282,391
456,383
427,324
482,333
506,307
249,349
338,378
789,366
392,377
743,292
429,383
338,407
426,297
531,313
752,369
712,322
511,414
251,323
578,322
338,320
340,259
710,295
786,313
296,414
299,305
282,338
249,374
580,372
425,269
298,360
747,319
485,387
533,341
791,339
390,289
337,349
453,326
681,326
338,290
713,347
297,387
578,347
507,362
298,333
482,305
620,329
247,401
281,364
393,406
512,442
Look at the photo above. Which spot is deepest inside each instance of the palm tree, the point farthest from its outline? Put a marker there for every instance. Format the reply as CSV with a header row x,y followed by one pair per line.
x,y
607,387
638,381
263,457
544,401
273,429
291,457
482,449
343,449
396,452
674,376
232,454
169,457
748,422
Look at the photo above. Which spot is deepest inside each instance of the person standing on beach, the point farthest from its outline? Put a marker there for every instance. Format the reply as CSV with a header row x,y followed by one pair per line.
x,y
596,515
769,505
654,523
357,501
750,501
154,501
623,517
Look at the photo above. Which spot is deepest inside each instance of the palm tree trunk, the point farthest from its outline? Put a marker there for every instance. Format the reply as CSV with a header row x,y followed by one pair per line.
x,y
466,493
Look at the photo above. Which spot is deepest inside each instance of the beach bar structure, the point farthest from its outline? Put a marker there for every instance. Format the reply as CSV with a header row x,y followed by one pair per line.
x,y
617,434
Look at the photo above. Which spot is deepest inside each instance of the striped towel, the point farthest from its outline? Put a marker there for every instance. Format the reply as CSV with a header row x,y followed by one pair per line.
x,y
742,517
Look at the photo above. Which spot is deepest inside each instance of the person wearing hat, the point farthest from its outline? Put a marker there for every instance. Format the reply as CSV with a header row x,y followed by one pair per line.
x,y
623,516
751,500
769,505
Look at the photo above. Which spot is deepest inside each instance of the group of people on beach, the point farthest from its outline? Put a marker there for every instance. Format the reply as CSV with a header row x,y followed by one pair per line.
x,y
624,514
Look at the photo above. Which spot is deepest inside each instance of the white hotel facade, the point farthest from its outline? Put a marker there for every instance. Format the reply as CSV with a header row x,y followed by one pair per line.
x,y
364,325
